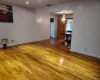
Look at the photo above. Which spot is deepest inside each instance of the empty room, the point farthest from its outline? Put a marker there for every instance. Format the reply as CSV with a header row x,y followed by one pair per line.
x,y
49,40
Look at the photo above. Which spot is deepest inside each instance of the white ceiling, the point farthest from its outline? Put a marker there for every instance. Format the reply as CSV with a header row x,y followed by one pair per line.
x,y
35,3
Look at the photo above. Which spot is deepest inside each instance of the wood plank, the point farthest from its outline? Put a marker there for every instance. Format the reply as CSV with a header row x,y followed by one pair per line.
x,y
35,61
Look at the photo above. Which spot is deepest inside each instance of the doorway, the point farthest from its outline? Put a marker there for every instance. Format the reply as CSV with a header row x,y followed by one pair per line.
x,y
65,30
52,28
68,32
69,25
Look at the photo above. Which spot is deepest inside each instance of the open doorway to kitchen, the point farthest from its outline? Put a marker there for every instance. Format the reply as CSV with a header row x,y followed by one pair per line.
x,y
68,32
65,20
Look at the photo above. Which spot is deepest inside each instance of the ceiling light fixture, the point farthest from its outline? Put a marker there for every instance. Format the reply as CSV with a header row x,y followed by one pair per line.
x,y
27,2
63,19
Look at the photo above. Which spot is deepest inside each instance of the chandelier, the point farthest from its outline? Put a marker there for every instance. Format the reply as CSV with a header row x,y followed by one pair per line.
x,y
63,19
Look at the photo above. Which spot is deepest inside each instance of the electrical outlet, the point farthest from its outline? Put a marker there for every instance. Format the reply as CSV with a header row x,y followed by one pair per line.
x,y
85,48
12,40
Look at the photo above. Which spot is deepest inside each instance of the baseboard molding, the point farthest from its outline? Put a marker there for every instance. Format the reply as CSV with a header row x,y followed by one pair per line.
x,y
77,53
84,55
16,44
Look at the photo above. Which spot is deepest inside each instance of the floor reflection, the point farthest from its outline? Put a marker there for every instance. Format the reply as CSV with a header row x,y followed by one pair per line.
x,y
58,43
52,41
61,61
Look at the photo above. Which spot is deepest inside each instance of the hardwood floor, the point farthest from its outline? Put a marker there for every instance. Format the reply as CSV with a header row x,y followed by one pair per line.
x,y
38,61
53,43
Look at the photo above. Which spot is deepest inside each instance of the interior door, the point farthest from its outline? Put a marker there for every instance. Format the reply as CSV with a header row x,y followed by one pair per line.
x,y
61,29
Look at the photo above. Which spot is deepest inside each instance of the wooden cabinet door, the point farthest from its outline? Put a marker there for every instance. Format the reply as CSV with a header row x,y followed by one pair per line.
x,y
61,29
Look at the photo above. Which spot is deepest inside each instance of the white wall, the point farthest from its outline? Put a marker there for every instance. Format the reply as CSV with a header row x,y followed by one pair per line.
x,y
22,29
86,30
26,28
43,22
86,26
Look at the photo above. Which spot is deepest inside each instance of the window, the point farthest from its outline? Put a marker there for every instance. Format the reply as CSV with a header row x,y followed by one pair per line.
x,y
69,25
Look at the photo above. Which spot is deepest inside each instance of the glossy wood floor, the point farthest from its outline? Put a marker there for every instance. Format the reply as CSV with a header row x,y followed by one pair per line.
x,y
54,44
39,62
